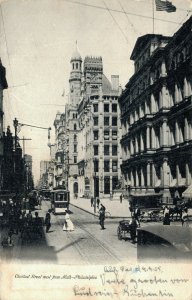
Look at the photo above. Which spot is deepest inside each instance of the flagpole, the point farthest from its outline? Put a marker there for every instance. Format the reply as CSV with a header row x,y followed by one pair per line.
x,y
153,15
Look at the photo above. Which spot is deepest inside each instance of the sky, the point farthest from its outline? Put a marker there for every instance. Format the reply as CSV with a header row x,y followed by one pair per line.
x,y
38,37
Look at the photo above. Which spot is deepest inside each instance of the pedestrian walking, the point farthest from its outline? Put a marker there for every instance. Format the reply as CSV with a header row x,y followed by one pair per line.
x,y
98,202
166,210
92,200
37,224
68,224
166,219
102,216
121,198
48,220
137,214
133,229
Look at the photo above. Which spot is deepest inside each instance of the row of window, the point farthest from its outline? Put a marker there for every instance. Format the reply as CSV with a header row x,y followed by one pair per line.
x,y
106,134
106,149
106,166
106,121
106,107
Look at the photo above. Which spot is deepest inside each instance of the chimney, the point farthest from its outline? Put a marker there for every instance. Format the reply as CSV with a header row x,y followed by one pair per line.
x,y
115,82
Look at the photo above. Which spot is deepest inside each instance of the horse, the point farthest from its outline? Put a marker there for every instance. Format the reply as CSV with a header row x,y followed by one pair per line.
x,y
176,210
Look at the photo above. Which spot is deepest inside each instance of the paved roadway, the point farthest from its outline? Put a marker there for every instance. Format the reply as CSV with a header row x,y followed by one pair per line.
x,y
86,245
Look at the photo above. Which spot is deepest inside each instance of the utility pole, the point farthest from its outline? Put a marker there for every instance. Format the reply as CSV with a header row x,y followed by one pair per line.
x,y
23,139
15,124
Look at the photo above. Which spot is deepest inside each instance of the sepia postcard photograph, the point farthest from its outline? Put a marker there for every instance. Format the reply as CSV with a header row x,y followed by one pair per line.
x,y
95,149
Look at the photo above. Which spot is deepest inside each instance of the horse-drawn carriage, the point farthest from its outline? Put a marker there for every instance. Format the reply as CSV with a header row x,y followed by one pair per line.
x,y
123,230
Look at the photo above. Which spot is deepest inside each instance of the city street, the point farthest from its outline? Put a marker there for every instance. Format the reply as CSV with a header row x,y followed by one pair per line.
x,y
87,244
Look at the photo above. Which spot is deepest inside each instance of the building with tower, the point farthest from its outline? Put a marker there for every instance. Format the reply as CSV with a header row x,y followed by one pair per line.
x,y
91,151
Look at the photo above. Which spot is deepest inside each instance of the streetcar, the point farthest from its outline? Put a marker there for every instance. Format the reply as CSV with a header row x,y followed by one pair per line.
x,y
60,201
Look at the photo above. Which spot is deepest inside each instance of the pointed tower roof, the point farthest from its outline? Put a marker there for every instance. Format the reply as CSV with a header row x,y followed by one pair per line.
x,y
76,55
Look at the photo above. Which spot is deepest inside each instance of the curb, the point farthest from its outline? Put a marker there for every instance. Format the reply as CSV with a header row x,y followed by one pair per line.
x,y
110,217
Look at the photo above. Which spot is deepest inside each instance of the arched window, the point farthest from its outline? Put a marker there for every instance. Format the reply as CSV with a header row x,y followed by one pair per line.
x,y
75,126
75,137
76,65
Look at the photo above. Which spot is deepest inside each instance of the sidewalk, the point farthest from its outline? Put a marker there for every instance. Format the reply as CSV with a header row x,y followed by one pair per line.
x,y
114,207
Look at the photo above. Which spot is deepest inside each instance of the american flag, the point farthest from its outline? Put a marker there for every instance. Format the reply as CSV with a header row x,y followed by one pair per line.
x,y
165,6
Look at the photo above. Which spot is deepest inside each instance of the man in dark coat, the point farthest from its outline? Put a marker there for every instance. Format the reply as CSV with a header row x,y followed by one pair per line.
x,y
102,216
37,224
137,214
133,229
48,220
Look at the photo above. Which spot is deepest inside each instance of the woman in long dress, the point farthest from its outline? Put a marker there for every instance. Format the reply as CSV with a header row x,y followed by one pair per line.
x,y
68,224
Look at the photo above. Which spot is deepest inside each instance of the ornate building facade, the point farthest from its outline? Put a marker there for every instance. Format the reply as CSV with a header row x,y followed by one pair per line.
x,y
91,151
156,116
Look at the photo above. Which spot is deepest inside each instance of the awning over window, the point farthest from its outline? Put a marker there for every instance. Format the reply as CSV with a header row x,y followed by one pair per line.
x,y
188,192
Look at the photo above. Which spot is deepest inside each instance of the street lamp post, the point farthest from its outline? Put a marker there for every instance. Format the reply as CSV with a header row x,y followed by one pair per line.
x,y
94,177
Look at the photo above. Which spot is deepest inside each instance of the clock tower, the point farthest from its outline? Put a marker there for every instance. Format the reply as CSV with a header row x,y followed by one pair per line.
x,y
75,78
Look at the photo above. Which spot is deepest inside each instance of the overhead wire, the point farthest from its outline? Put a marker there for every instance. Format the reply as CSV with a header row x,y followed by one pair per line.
x,y
119,11
116,23
136,31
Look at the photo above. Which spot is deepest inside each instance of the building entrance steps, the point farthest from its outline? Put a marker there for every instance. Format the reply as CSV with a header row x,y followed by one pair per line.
x,y
114,209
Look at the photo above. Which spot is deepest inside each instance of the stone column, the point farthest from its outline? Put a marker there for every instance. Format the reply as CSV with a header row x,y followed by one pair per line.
x,y
163,69
146,107
186,129
142,178
185,89
176,94
136,145
153,175
137,177
165,174
188,175
148,175
148,137
178,175
153,104
164,134
153,138
141,142
165,97
176,133
131,147
132,179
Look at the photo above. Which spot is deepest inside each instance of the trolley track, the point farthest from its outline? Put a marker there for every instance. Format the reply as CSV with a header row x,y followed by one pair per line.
x,y
85,237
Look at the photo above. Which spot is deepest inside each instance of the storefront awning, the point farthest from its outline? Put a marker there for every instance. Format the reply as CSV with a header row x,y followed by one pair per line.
x,y
188,192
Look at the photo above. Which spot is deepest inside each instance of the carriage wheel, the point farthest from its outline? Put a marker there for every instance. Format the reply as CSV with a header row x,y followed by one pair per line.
x,y
119,233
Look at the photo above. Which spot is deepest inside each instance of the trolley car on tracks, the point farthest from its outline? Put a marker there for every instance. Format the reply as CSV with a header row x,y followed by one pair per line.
x,y
60,200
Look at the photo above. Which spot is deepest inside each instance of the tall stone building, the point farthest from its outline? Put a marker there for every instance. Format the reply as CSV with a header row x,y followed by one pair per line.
x,y
99,154
156,115
90,145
